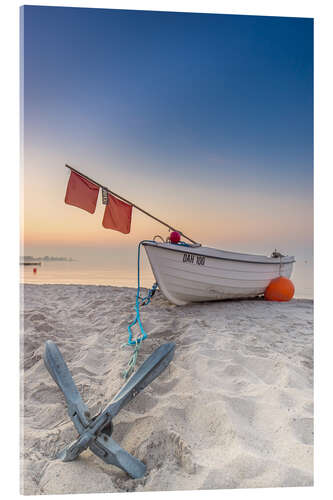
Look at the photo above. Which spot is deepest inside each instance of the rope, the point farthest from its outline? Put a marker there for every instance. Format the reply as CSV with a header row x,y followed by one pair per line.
x,y
158,236
139,301
182,243
132,361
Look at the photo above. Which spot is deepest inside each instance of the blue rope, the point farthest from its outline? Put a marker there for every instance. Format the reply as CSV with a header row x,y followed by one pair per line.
x,y
139,301
182,243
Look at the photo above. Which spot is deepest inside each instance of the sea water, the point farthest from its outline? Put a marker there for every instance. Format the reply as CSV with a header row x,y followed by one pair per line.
x,y
115,273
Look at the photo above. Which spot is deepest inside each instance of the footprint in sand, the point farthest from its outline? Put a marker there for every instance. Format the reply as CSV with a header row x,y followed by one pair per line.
x,y
45,393
37,317
165,446
303,429
164,387
142,404
44,327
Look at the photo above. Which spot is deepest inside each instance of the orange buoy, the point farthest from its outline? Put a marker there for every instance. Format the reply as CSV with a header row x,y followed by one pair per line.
x,y
280,289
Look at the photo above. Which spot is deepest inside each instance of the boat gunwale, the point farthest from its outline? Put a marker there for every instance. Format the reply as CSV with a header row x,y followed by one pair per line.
x,y
187,249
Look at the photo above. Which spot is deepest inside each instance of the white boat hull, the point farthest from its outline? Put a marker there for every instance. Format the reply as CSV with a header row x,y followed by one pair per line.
x,y
197,274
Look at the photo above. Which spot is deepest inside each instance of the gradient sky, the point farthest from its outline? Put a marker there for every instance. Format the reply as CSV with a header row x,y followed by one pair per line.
x,y
205,120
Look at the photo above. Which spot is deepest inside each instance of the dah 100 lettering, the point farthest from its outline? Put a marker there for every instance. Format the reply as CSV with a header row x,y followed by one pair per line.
x,y
194,259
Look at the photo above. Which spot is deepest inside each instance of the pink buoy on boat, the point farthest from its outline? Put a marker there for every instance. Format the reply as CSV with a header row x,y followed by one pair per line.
x,y
175,237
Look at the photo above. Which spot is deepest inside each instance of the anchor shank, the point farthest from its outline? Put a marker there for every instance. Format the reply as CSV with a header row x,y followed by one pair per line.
x,y
148,371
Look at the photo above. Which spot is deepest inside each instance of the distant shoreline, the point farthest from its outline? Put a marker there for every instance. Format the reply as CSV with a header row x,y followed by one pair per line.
x,y
30,263
46,258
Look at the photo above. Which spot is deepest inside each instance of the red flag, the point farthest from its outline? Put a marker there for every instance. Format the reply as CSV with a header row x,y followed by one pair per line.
x,y
117,215
81,193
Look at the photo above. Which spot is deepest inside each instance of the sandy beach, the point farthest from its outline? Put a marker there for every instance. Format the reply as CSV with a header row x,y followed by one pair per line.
x,y
234,409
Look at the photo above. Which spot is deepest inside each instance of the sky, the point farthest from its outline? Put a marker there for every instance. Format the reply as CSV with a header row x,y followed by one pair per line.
x,y
205,120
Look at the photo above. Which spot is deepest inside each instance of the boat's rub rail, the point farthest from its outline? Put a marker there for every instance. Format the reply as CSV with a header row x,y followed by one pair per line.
x,y
222,254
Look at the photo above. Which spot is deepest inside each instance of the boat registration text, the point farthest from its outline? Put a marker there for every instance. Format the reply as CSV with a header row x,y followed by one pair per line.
x,y
194,259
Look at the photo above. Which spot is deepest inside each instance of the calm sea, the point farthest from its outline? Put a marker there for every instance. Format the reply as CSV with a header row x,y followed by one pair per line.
x,y
87,273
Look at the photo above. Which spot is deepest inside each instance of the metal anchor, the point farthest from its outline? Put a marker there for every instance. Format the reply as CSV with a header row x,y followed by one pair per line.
x,y
95,433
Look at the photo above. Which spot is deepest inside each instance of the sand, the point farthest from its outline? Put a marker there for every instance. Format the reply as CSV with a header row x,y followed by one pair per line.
x,y
234,409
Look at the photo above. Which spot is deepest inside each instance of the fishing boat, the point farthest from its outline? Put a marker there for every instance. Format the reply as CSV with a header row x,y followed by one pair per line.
x,y
186,272
194,273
